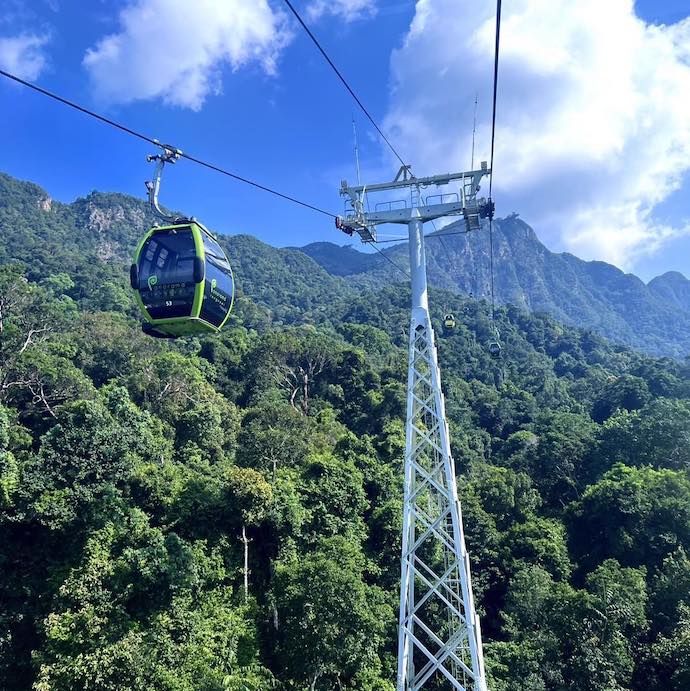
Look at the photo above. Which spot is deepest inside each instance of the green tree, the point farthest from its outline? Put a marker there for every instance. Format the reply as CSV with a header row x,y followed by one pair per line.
x,y
332,624
622,393
670,657
9,468
144,610
635,515
657,435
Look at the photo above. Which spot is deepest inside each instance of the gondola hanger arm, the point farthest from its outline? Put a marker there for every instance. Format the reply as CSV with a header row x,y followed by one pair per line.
x,y
169,154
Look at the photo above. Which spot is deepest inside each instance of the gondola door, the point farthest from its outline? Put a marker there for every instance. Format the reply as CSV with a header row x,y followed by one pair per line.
x,y
166,273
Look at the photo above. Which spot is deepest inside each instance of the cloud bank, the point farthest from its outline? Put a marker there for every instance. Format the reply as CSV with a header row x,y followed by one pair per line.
x,y
348,10
23,55
593,117
175,49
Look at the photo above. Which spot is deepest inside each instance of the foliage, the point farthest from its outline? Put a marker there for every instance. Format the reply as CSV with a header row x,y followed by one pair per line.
x,y
134,473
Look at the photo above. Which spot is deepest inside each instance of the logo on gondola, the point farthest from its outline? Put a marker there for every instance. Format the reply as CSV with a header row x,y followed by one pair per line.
x,y
152,281
216,294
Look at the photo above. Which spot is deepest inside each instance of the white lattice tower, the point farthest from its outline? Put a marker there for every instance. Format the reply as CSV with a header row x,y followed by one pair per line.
x,y
439,638
439,635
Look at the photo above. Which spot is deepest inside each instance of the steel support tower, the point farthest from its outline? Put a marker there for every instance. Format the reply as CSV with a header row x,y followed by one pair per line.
x,y
439,637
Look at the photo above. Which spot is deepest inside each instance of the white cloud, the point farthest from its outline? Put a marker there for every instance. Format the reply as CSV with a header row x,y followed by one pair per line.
x,y
23,55
175,49
348,10
593,116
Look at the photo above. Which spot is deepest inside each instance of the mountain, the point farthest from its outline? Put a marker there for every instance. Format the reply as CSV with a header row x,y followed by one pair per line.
x,y
672,287
591,295
340,261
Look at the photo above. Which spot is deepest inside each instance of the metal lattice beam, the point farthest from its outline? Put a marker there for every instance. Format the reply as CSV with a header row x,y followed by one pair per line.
x,y
439,637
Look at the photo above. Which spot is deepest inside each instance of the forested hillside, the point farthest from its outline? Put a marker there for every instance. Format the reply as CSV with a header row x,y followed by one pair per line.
x,y
134,473
595,295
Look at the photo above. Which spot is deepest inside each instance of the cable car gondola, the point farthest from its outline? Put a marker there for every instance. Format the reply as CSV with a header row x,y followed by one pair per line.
x,y
183,281
182,278
495,344
448,322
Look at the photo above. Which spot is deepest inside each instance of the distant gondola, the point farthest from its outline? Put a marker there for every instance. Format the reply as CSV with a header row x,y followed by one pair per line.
x,y
448,322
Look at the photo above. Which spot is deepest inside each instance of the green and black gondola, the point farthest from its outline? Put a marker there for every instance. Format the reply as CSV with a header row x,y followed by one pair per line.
x,y
495,344
183,281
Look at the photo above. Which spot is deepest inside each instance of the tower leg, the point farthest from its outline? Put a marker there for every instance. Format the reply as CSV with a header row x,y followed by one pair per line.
x,y
439,640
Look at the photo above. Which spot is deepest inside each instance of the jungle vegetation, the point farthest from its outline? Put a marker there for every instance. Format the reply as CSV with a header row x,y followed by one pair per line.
x,y
134,473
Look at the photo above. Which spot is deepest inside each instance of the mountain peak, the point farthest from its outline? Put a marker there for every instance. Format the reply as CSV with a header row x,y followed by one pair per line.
x,y
672,287
671,276
591,295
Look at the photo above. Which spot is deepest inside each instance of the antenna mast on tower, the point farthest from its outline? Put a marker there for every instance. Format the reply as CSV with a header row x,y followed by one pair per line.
x,y
439,637
474,128
354,132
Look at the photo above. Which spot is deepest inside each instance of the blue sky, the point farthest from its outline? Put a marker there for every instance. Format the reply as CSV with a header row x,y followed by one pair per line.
x,y
272,111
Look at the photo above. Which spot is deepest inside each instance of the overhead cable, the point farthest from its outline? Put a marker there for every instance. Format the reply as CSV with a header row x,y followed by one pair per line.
x,y
493,117
344,81
386,257
428,236
491,177
450,232
155,142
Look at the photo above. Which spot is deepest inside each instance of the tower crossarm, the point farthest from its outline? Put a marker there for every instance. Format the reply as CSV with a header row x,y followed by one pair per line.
x,y
424,213
465,202
473,177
